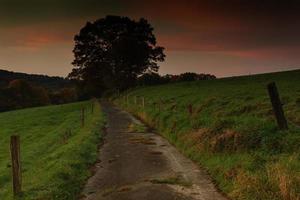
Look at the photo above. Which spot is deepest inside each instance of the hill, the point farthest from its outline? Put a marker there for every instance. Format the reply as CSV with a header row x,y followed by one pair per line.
x,y
227,126
56,151
49,82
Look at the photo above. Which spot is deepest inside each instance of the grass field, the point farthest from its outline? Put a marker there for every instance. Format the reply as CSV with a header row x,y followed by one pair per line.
x,y
56,151
231,131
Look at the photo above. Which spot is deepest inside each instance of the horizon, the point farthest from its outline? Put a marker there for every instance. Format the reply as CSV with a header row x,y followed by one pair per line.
x,y
241,75
220,38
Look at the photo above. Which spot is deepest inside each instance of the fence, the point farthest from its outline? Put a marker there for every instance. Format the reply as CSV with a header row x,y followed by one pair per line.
x,y
15,150
273,94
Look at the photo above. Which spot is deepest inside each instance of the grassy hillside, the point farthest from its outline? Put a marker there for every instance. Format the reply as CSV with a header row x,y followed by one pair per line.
x,y
55,150
231,131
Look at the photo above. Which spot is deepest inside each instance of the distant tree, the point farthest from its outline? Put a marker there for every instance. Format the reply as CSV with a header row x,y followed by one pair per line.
x,y
188,76
168,78
191,76
154,78
24,94
206,77
28,94
65,95
150,79
112,52
48,82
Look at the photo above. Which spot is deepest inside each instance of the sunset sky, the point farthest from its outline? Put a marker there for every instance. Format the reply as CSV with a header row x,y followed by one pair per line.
x,y
222,37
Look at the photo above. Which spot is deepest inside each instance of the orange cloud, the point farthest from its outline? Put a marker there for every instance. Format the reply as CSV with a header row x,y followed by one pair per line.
x,y
36,36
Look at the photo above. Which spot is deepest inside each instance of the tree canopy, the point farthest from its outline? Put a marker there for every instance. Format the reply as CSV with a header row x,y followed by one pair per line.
x,y
112,52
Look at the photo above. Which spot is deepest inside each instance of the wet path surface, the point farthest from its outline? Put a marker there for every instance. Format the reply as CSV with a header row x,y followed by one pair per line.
x,y
143,166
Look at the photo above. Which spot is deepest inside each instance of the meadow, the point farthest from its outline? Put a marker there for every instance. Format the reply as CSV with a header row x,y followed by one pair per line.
x,y
56,151
228,127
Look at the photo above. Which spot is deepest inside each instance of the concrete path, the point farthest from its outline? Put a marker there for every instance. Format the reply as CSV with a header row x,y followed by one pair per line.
x,y
143,166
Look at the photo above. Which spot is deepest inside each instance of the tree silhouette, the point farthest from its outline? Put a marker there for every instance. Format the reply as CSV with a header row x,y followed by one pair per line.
x,y
112,52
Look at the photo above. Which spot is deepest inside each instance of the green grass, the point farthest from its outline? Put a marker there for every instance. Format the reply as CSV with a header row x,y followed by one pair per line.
x,y
231,130
56,152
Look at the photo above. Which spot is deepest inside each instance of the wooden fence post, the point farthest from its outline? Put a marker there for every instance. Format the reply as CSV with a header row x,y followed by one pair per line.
x,y
159,105
190,109
92,107
173,106
174,126
16,164
143,102
277,106
82,117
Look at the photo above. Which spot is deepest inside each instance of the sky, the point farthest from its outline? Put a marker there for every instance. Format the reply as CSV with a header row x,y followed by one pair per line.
x,y
221,37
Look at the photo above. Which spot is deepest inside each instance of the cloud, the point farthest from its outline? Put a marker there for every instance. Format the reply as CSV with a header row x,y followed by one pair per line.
x,y
36,36
19,12
180,25
222,25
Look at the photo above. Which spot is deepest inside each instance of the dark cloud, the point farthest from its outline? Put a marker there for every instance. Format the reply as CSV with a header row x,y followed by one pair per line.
x,y
237,24
16,12
229,24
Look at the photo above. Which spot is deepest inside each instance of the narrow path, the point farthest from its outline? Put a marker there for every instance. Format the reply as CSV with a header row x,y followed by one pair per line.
x,y
143,166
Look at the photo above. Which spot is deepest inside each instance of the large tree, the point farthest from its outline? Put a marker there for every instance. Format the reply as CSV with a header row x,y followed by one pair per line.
x,y
112,52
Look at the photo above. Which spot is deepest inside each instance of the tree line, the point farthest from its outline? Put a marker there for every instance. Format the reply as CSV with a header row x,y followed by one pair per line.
x,y
48,82
20,93
156,79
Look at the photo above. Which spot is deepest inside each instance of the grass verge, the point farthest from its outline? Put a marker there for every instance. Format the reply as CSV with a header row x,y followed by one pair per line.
x,y
228,127
56,152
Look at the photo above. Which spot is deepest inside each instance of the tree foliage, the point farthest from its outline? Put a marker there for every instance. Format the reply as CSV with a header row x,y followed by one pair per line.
x,y
65,95
22,94
112,52
155,79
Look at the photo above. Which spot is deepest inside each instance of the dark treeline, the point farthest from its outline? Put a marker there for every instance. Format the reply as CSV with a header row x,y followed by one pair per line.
x,y
48,82
155,79
20,90
147,79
